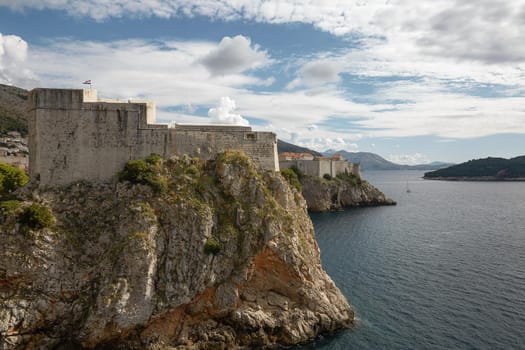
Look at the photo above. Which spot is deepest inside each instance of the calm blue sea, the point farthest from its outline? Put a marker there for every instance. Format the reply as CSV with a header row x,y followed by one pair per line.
x,y
444,269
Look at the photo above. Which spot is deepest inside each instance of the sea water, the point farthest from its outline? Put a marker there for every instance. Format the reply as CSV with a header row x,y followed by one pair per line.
x,y
444,269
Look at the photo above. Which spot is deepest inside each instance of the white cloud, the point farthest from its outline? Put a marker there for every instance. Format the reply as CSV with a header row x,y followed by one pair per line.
x,y
13,66
315,73
325,144
432,110
468,30
321,72
448,39
312,127
234,55
492,34
409,159
223,113
123,69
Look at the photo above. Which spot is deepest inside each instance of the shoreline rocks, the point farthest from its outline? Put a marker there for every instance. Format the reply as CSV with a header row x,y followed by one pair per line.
x,y
336,194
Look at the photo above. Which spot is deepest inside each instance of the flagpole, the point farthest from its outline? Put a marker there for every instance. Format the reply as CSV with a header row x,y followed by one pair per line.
x,y
87,82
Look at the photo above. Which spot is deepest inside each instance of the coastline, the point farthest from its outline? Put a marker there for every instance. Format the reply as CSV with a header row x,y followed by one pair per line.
x,y
475,178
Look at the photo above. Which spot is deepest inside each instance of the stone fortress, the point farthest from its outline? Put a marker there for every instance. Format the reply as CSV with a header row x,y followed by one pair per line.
x,y
310,165
74,135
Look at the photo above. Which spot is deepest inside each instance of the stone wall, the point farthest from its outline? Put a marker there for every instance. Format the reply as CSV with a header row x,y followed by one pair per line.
x,y
206,141
320,167
74,136
308,167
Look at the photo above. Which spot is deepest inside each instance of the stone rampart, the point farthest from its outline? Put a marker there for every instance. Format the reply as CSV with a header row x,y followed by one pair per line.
x,y
319,167
206,141
75,136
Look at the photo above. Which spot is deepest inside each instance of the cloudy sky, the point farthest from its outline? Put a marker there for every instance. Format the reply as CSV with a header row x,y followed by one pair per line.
x,y
414,81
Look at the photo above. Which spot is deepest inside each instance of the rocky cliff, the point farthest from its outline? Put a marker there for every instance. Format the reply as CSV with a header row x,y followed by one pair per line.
x,y
337,193
224,257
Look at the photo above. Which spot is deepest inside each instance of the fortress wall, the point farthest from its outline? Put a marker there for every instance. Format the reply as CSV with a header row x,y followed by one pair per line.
x,y
206,141
70,140
325,167
341,167
356,169
286,164
333,168
319,167
308,167
212,127
74,135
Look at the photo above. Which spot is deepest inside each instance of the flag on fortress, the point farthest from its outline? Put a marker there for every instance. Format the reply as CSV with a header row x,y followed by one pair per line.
x,y
87,82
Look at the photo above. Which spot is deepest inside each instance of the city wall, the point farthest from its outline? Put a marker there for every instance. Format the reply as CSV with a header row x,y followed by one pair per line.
x,y
205,141
74,136
320,167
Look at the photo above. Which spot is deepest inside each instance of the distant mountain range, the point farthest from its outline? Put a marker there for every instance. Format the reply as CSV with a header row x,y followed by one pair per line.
x,y
483,169
372,161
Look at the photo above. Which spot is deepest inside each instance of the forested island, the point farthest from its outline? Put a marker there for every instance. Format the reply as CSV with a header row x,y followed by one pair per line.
x,y
486,169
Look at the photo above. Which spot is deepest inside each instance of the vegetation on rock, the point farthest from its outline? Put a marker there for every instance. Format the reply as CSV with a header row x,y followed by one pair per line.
x,y
146,172
350,178
11,178
497,168
37,216
344,190
10,205
291,176
212,246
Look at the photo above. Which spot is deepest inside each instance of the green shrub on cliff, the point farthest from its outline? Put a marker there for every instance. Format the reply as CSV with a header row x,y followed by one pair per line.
x,y
9,206
292,178
36,216
212,246
147,172
350,178
11,178
154,159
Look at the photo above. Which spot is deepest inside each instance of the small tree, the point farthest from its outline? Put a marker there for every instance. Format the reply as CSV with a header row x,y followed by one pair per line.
x,y
297,171
292,178
36,216
212,246
11,178
145,172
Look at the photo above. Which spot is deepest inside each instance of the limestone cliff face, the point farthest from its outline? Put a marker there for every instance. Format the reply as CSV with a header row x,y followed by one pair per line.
x,y
323,195
226,258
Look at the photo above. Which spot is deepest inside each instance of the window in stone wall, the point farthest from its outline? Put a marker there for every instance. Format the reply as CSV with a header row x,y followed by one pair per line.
x,y
250,136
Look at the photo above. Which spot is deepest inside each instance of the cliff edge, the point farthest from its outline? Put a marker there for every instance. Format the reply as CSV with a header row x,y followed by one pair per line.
x,y
220,256
340,192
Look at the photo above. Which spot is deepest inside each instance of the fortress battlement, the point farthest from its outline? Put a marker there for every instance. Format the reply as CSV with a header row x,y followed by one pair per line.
x,y
74,135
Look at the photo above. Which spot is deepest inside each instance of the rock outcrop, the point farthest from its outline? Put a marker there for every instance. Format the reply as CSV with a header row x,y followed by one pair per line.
x,y
225,258
335,194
